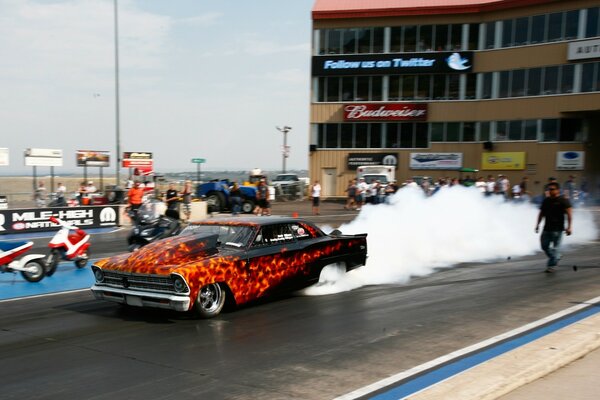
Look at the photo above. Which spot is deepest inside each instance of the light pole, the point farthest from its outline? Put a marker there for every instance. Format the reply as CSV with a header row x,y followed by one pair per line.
x,y
285,150
117,124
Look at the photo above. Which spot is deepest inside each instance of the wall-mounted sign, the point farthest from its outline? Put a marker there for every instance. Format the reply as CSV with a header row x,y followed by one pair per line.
x,y
583,49
89,158
37,220
137,159
3,156
43,158
436,160
357,159
503,161
570,160
393,64
382,112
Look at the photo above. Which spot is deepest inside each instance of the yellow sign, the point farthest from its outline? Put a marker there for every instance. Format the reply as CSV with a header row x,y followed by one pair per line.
x,y
503,161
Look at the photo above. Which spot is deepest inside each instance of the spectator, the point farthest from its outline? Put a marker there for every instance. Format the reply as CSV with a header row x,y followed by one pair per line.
x,y
172,199
361,190
525,194
90,188
235,196
374,191
61,191
186,196
570,189
39,195
490,186
351,195
553,210
135,196
480,185
551,180
82,193
315,194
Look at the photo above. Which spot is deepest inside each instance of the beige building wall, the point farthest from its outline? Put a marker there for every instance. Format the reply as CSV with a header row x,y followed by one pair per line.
x,y
540,157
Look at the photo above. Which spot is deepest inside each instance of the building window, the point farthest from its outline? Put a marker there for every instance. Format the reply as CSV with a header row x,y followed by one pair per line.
x,y
570,130
571,24
425,42
591,26
468,132
530,129
347,136
567,73
421,137
375,136
484,131
410,39
555,27
549,131
331,136
504,85
437,131
515,130
507,33
486,85
362,136
490,35
406,132
538,28
364,40
534,82
521,31
550,80
391,135
588,77
473,37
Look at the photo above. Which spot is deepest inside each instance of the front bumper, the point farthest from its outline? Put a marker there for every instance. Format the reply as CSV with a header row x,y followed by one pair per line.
x,y
142,299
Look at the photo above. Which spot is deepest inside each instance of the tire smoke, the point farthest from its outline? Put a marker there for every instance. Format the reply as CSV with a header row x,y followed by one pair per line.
x,y
414,235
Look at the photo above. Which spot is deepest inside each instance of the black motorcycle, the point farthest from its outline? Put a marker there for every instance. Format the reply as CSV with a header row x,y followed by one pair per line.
x,y
149,225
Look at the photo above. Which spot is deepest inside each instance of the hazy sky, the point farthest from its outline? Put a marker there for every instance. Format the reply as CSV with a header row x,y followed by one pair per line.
x,y
198,78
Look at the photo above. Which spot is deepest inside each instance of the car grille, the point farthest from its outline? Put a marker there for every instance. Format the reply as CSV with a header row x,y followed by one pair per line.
x,y
151,283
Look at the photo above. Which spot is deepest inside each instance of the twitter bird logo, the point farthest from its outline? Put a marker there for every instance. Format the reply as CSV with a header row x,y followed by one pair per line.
x,y
456,62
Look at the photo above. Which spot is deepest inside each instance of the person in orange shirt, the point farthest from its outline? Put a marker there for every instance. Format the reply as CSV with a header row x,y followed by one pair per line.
x,y
135,196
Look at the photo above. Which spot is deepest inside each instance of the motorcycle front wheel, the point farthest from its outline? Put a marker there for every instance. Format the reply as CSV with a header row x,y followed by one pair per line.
x,y
52,262
82,262
37,271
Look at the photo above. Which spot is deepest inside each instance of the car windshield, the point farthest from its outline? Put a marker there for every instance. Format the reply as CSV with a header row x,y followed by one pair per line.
x,y
229,235
372,178
285,178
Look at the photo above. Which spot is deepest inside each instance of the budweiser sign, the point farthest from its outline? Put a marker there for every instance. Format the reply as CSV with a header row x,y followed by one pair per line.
x,y
395,112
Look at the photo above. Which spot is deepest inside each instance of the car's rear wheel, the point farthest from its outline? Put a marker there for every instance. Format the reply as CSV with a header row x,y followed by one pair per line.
x,y
247,206
210,300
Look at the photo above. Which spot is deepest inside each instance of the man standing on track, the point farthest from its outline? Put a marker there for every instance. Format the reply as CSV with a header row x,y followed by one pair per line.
x,y
553,209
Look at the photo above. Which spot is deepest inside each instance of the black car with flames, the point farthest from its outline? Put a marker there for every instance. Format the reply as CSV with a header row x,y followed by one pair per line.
x,y
225,261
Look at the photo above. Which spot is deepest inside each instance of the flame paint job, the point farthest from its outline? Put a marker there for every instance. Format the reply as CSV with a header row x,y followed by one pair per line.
x,y
249,273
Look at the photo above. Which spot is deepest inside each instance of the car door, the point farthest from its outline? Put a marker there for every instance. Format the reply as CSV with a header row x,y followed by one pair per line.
x,y
272,261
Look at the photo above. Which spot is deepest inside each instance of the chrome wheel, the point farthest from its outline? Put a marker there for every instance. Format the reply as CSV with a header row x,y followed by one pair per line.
x,y
35,271
210,300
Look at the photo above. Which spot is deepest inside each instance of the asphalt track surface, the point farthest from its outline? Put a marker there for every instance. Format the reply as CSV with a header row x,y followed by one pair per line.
x,y
69,345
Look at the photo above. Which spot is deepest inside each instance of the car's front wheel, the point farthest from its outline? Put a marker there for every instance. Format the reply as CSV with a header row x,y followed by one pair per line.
x,y
210,300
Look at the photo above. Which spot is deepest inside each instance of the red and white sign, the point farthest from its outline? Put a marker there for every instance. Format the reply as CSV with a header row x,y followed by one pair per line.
x,y
137,160
386,112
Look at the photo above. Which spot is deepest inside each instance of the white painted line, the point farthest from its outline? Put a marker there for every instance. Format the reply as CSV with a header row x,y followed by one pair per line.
x,y
459,353
44,295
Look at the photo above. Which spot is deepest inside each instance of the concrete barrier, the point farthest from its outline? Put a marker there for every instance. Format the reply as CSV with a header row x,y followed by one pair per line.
x,y
199,212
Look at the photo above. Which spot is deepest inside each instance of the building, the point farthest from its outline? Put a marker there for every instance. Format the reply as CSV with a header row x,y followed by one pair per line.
x,y
503,86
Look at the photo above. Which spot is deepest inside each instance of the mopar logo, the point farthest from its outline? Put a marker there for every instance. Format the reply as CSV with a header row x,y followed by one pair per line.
x,y
2,220
108,214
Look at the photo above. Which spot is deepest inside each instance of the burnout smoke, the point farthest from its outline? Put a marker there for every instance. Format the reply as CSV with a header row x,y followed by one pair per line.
x,y
414,235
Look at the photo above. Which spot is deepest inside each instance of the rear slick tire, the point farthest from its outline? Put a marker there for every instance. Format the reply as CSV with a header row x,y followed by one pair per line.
x,y
37,274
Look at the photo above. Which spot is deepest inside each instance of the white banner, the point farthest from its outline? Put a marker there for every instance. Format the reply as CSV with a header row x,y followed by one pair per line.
x,y
583,49
436,160
3,156
570,160
43,158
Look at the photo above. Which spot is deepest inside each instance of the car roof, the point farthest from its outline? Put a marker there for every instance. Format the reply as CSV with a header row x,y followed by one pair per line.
x,y
251,220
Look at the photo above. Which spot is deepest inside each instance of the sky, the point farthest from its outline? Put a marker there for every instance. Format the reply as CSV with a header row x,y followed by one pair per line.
x,y
197,79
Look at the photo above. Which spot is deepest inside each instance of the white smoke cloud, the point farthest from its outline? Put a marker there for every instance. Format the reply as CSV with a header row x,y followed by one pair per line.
x,y
415,234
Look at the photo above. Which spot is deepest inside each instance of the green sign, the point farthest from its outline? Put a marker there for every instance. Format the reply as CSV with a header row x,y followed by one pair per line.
x,y
198,160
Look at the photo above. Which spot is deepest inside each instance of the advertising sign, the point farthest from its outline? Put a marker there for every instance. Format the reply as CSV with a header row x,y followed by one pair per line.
x,y
355,160
583,49
386,112
43,158
570,160
3,156
38,219
137,160
436,160
393,64
90,158
503,161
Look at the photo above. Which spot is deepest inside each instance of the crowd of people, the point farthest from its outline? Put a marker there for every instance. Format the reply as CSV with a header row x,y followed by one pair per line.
x,y
359,192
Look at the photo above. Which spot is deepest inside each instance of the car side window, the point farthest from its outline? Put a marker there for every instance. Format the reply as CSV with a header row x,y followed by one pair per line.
x,y
302,232
273,235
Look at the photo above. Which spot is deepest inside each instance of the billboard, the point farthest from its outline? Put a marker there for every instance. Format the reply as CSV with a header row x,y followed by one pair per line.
x,y
91,158
355,160
43,158
570,160
3,156
138,159
386,112
393,63
503,161
436,160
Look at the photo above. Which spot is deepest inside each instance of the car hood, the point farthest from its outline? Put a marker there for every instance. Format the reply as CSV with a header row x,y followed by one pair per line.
x,y
164,256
